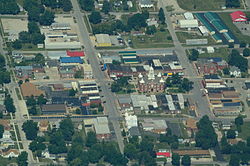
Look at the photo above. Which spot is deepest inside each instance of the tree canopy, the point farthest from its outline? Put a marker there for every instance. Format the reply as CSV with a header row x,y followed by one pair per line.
x,y
22,159
87,5
237,60
205,137
67,129
30,128
106,7
161,16
1,131
95,17
246,52
47,18
9,7
232,3
9,105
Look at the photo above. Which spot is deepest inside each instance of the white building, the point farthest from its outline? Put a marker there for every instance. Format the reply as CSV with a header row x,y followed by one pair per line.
x,y
235,71
146,3
188,23
87,69
210,49
131,121
203,30
189,16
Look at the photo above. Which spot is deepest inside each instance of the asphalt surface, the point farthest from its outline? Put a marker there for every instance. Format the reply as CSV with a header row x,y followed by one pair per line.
x,y
196,93
91,54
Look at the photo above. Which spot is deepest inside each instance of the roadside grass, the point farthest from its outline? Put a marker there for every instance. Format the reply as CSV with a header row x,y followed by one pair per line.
x,y
228,21
6,161
87,23
245,130
182,36
18,94
220,52
158,40
18,133
197,5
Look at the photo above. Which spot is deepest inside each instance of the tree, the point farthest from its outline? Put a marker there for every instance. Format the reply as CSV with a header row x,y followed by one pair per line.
x,y
1,131
175,159
47,18
231,134
234,160
24,37
41,100
206,136
9,105
237,60
17,44
91,139
232,3
72,92
87,5
65,5
30,128
238,121
39,59
4,77
187,85
137,21
9,7
185,160
95,17
194,55
22,159
31,101
106,7
33,110
246,52
56,143
33,27
226,71
37,144
161,16
130,151
67,129
150,30
37,38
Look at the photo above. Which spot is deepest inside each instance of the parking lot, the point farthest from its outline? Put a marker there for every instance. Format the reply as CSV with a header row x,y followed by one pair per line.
x,y
244,27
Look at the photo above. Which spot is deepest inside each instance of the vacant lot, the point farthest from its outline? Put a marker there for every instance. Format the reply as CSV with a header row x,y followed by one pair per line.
x,y
182,36
158,40
228,21
221,52
201,4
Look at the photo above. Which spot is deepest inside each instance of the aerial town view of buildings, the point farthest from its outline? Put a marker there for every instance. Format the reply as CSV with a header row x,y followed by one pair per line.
x,y
124,83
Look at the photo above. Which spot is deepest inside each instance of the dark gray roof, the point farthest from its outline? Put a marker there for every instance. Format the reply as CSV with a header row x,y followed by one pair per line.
x,y
134,131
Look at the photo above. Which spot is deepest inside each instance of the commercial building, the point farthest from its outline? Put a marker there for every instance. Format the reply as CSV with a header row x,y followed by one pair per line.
x,y
188,23
101,128
87,71
155,126
189,16
103,40
88,87
131,121
70,60
203,30
75,53
238,16
216,21
196,41
61,40
52,109
198,155
60,26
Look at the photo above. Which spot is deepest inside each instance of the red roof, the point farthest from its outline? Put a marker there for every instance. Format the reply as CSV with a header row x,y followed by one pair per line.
x,y
238,16
75,53
165,154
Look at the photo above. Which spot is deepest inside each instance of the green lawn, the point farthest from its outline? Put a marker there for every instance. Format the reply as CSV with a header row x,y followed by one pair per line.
x,y
201,4
228,21
245,130
182,36
4,161
221,52
158,40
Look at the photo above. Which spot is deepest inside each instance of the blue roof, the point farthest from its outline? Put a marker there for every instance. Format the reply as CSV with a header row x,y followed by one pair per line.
x,y
216,59
231,104
71,60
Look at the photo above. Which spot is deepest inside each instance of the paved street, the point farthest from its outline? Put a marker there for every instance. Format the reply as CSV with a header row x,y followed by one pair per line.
x,y
91,54
201,102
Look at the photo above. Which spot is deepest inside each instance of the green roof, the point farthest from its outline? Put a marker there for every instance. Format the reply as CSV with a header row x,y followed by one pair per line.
x,y
205,23
126,52
130,60
216,37
228,36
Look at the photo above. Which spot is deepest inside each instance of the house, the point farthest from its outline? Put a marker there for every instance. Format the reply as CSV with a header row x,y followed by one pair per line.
x,y
43,125
146,4
51,109
152,22
191,125
38,68
28,89
235,71
24,72
6,124
134,131
210,49
238,16
9,153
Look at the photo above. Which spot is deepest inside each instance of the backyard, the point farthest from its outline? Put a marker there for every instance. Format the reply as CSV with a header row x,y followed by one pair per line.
x,y
220,52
